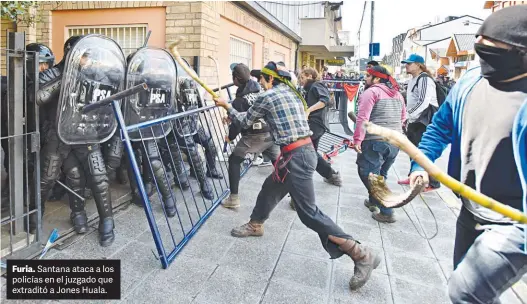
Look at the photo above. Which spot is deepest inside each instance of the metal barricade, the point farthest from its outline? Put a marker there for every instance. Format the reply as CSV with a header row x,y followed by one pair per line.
x,y
20,141
173,226
339,114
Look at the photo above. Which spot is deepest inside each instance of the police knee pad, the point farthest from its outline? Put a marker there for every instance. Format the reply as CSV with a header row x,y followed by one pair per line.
x,y
156,164
73,175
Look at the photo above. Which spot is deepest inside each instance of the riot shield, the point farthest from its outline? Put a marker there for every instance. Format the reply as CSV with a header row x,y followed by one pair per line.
x,y
157,69
189,97
94,69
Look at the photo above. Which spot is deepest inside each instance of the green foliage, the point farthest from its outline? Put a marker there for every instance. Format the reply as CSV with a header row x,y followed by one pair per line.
x,y
19,11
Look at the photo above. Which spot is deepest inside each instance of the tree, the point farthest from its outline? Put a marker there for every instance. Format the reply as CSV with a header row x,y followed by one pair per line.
x,y
19,11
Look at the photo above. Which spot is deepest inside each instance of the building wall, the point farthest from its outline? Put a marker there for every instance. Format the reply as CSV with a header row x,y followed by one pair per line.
x,y
290,15
6,25
199,24
154,17
444,30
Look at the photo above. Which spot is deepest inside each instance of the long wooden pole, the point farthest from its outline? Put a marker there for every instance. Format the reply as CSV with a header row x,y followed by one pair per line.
x,y
399,140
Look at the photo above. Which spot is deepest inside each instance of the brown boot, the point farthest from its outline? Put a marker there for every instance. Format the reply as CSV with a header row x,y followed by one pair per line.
x,y
365,261
249,229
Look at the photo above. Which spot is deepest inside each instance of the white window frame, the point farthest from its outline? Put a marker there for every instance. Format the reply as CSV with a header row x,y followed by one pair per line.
x,y
241,58
279,57
136,34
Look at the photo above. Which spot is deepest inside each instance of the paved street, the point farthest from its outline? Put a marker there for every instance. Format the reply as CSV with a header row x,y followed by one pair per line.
x,y
288,264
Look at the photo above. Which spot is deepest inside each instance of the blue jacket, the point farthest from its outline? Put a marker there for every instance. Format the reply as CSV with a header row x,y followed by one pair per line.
x,y
446,129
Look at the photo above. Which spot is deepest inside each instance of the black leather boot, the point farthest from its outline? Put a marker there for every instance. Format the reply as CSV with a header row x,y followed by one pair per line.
x,y
106,234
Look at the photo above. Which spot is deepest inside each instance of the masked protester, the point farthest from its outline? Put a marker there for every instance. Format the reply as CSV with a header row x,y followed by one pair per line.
x,y
256,139
484,120
381,103
283,108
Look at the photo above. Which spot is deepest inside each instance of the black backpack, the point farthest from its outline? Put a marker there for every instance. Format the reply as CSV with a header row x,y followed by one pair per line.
x,y
441,90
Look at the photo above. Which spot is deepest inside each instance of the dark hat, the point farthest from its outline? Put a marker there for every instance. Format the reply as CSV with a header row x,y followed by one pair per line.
x,y
281,63
241,71
508,25
273,67
270,65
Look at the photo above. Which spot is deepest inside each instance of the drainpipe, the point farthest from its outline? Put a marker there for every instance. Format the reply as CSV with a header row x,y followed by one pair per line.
x,y
296,56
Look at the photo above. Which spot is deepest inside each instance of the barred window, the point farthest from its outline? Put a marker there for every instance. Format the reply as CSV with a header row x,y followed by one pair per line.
x,y
130,37
279,57
241,52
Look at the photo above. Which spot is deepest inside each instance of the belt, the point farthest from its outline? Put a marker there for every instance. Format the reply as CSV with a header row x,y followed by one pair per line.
x,y
297,144
280,170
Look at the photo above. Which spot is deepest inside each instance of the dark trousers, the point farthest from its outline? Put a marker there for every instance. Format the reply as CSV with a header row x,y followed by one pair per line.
x,y
323,167
250,143
414,133
377,157
299,183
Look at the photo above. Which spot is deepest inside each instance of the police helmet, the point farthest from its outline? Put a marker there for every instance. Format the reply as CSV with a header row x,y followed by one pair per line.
x,y
70,43
45,55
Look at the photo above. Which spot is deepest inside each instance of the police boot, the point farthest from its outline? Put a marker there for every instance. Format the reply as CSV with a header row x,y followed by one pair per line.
x,y
106,234
104,208
206,189
164,188
213,172
78,216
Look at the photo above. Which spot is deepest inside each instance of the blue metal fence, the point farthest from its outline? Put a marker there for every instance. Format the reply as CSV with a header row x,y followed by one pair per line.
x,y
172,232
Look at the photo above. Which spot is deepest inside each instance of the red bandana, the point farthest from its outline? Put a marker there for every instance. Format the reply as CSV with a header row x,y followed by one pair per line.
x,y
375,73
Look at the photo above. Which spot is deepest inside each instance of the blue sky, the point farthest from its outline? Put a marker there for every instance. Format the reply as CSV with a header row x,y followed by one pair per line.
x,y
395,17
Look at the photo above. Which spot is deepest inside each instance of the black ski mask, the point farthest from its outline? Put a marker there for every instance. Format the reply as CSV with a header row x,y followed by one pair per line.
x,y
508,25
499,64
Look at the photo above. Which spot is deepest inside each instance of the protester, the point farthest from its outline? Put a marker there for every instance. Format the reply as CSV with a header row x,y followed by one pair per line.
x,y
372,63
284,110
484,121
255,139
421,98
382,104
317,99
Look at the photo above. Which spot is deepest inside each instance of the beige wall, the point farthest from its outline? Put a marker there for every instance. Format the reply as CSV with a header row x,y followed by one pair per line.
x,y
201,25
275,47
230,29
153,16
6,25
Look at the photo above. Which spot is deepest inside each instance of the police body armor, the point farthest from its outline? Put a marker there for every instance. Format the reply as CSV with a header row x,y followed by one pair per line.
x,y
157,69
94,70
188,98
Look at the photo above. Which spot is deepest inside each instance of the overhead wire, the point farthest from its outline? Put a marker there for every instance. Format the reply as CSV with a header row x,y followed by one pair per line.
x,y
287,4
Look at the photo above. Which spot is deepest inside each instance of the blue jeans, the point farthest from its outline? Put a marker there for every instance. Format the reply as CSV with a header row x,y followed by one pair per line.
x,y
487,261
377,157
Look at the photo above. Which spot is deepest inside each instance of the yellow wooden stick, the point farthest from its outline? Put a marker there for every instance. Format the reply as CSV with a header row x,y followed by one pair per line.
x,y
399,140
174,51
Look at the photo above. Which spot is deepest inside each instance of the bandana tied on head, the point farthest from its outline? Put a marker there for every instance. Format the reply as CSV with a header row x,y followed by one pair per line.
x,y
376,73
284,79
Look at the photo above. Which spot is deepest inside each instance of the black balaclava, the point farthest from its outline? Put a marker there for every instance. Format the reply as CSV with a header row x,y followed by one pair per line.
x,y
508,25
